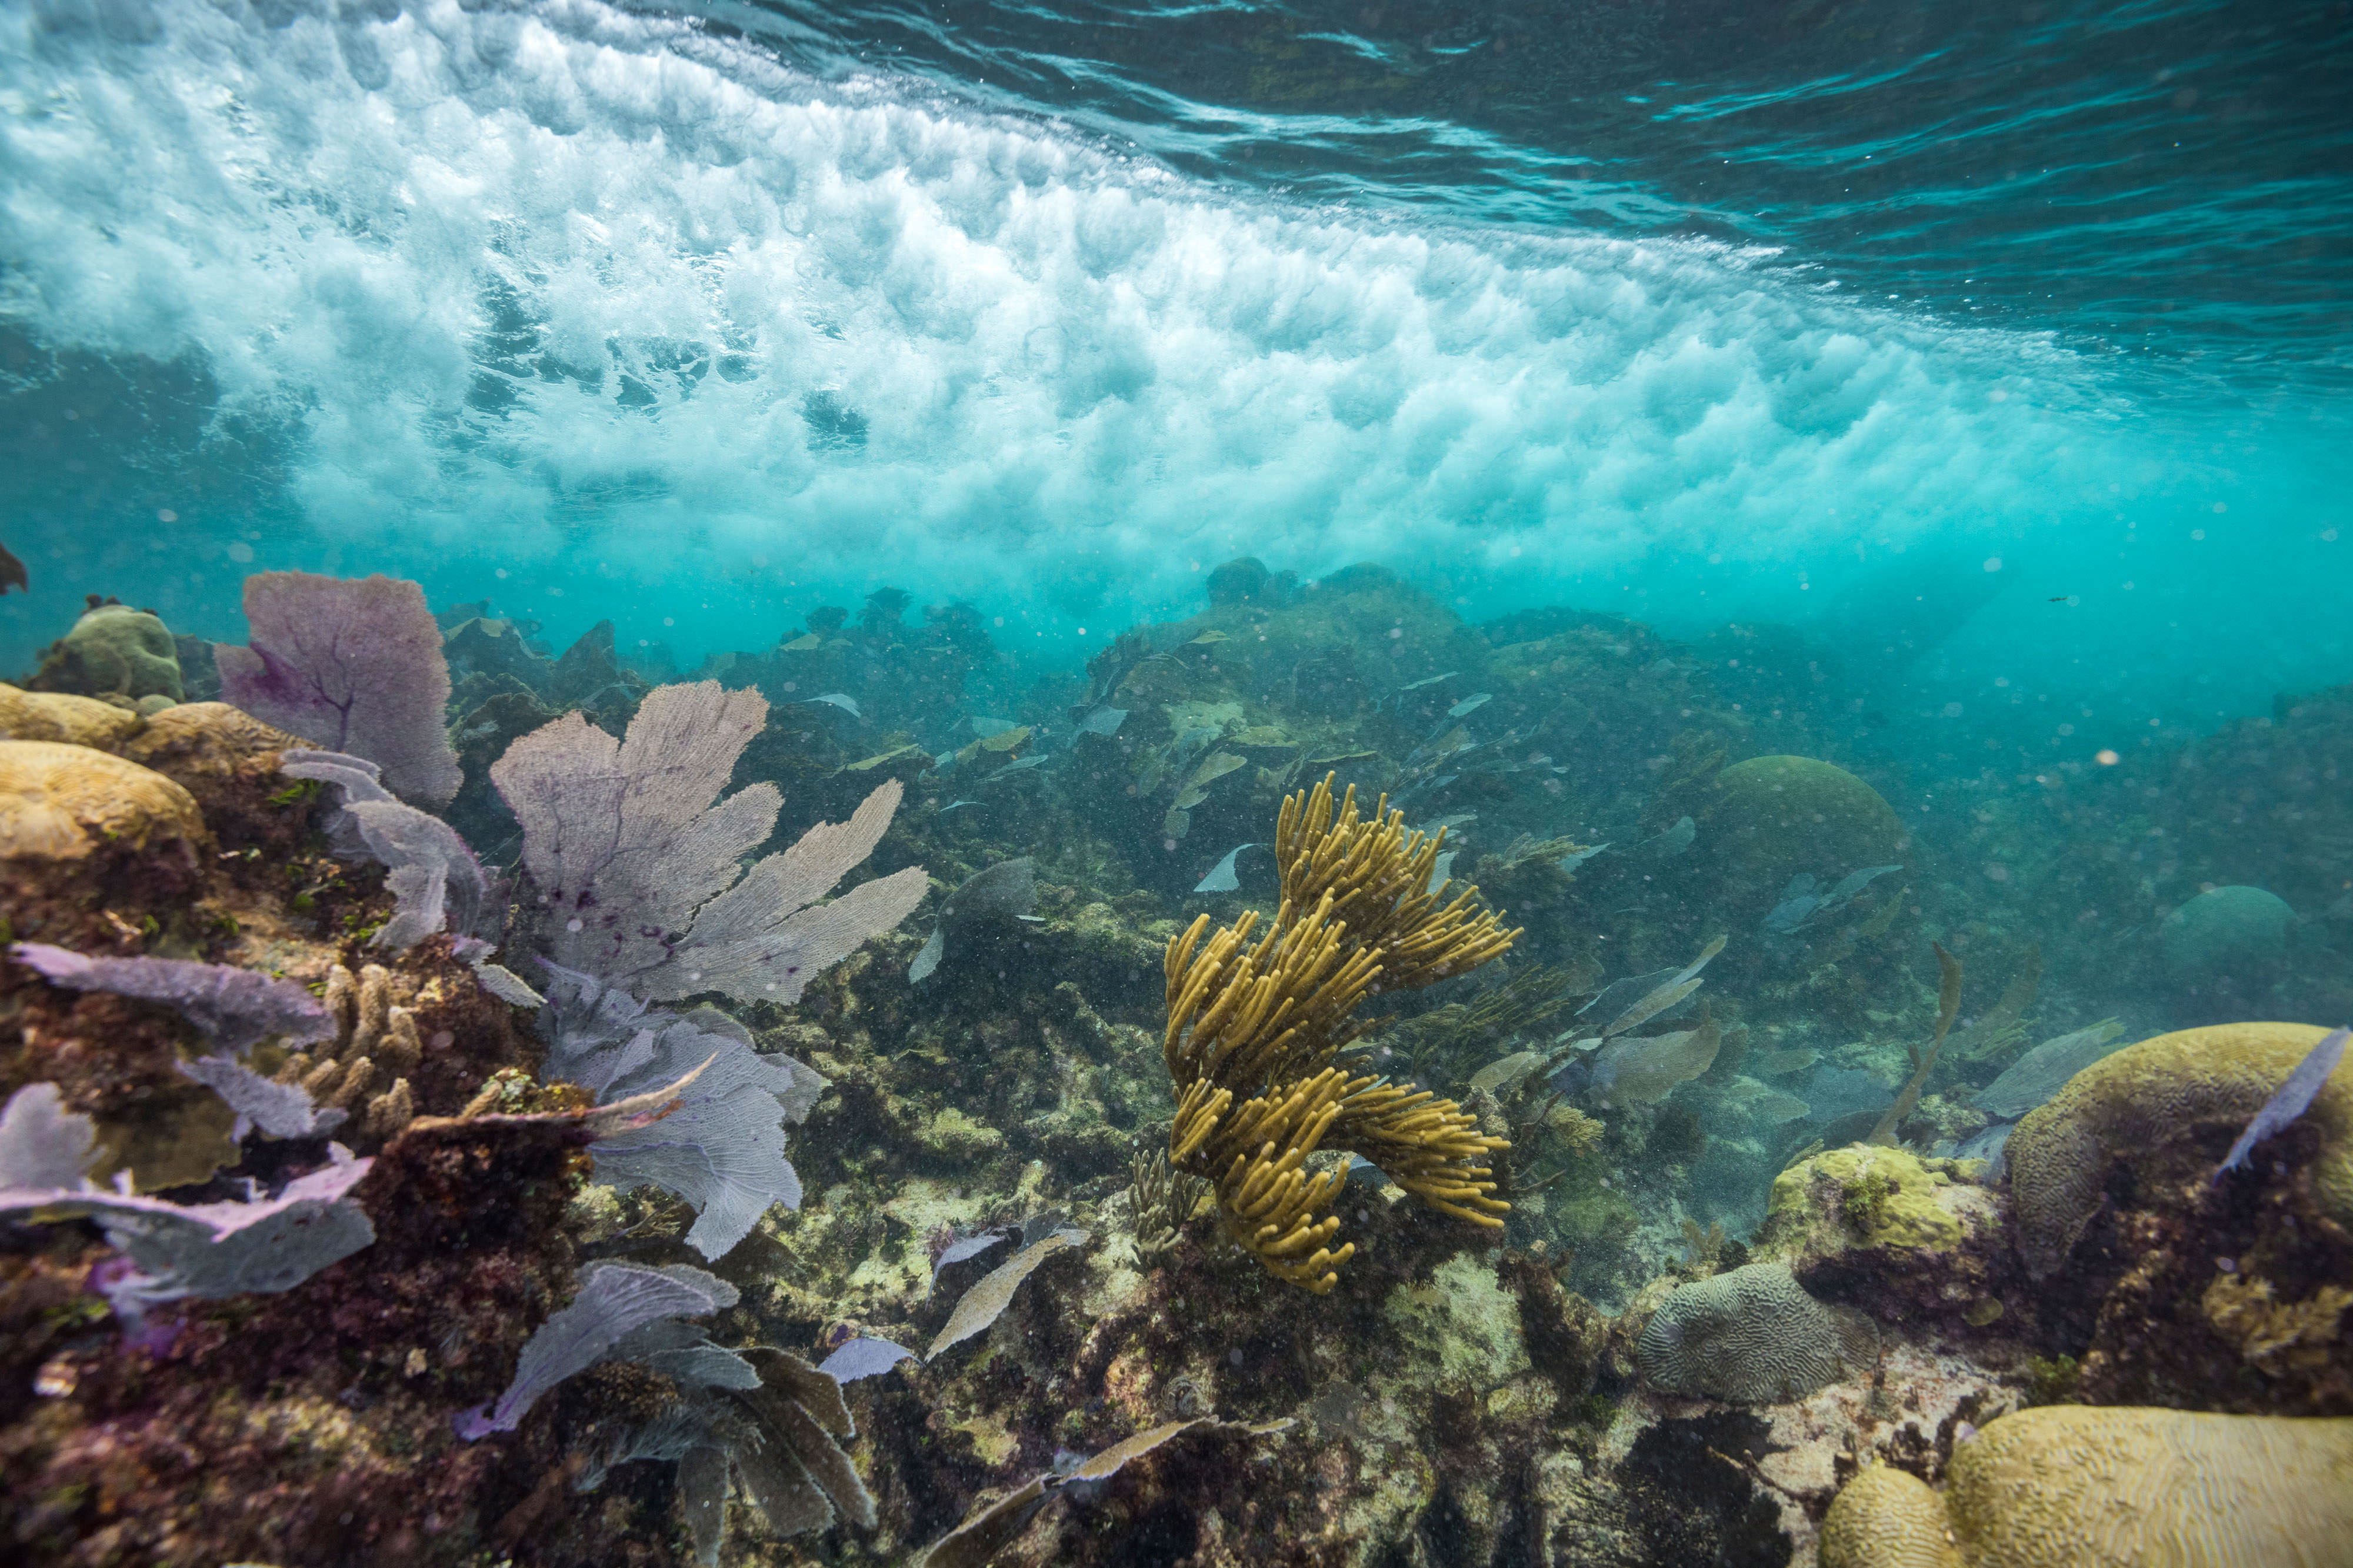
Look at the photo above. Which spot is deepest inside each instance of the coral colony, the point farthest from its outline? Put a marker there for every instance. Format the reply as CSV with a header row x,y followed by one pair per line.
x,y
473,1104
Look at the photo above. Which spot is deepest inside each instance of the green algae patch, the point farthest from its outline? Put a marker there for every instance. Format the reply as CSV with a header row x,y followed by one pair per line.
x,y
1465,1319
1869,1196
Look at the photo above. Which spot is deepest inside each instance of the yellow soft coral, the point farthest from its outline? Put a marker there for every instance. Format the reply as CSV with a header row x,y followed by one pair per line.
x,y
1254,1027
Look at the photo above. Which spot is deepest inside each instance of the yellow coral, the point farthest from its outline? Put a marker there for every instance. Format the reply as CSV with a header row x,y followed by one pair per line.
x,y
2275,1336
2147,1102
1887,1517
1254,1026
203,739
58,802
2074,1485
57,715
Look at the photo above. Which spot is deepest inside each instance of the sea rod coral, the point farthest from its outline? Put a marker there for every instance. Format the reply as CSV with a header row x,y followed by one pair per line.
x,y
1254,1030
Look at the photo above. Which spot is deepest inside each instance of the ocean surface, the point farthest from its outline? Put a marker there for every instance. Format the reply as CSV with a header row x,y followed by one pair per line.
x,y
2024,325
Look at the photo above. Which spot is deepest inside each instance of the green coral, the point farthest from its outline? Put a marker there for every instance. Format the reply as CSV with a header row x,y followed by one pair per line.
x,y
1877,1197
113,651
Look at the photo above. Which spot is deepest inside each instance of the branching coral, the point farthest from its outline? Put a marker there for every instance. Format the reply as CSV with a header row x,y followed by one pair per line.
x,y
1254,1029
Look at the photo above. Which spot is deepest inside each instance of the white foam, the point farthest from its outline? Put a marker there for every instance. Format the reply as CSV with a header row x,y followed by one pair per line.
x,y
1077,376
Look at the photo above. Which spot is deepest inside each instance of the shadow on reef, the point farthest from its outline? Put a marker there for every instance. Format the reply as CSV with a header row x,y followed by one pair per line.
x,y
1731,1197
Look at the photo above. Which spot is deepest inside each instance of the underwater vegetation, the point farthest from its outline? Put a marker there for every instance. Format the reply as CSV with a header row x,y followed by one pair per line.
x,y
466,1103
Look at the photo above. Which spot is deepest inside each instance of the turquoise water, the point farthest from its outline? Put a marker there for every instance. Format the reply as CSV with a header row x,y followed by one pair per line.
x,y
1587,422
710,318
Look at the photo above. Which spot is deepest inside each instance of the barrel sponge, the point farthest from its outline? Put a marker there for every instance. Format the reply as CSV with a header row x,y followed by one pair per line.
x,y
1887,1517
1772,817
2225,926
2091,1486
2149,1101
59,802
1751,1336
58,716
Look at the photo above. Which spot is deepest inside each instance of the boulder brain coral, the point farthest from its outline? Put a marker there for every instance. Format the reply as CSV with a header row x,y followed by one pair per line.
x,y
2171,1104
59,716
2101,1487
58,802
1772,817
1751,1336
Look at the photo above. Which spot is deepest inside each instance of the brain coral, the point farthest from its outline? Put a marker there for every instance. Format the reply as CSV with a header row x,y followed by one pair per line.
x,y
55,716
1772,817
1750,1336
2225,926
1887,1517
58,801
2172,1104
2104,1486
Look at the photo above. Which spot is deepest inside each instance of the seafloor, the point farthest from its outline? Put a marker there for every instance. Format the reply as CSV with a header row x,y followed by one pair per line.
x,y
1751,1253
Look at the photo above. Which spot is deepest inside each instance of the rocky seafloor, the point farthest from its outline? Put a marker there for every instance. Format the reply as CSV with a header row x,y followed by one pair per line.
x,y
1714,1303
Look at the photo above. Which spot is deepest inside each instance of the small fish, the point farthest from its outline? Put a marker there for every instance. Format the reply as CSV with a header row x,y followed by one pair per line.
x,y
1224,877
1477,699
841,699
1103,722
1429,681
2289,1102
955,803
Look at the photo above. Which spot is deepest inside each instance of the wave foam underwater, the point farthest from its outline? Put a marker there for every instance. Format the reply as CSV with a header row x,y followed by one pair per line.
x,y
648,322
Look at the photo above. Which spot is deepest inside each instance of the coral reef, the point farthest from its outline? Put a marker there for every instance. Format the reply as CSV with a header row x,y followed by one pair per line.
x,y
1629,1298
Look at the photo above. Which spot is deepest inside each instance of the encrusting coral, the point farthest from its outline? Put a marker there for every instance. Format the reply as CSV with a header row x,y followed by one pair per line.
x,y
1253,1030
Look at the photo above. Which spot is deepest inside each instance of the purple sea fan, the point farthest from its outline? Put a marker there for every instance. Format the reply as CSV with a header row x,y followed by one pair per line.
x,y
627,842
236,1008
353,664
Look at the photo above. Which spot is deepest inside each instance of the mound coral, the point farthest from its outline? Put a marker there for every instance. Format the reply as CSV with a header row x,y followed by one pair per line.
x,y
61,716
2169,1106
1254,1028
58,802
1770,818
2102,1486
2223,927
113,651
